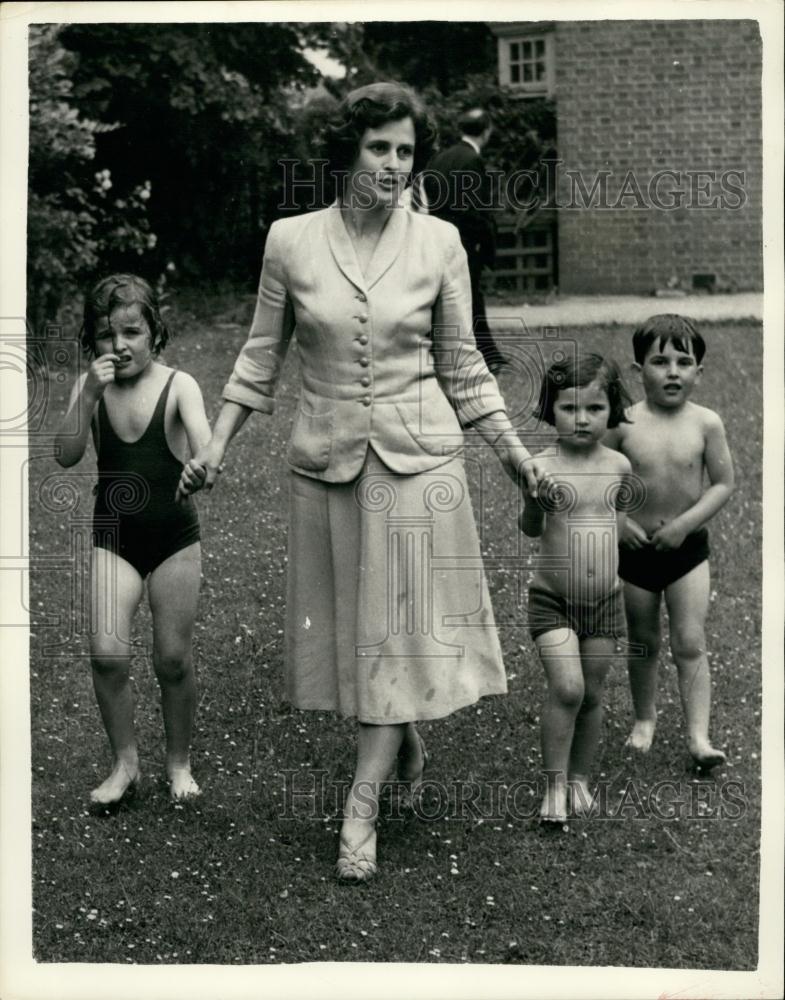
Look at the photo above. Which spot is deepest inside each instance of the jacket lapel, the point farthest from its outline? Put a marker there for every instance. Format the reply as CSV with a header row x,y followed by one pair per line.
x,y
387,249
342,248
389,246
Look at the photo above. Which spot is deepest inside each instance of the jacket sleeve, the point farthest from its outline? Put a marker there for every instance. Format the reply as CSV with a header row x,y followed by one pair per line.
x,y
460,367
258,366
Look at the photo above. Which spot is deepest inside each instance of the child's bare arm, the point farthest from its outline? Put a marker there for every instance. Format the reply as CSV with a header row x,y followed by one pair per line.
x,y
71,439
197,428
192,413
203,468
719,466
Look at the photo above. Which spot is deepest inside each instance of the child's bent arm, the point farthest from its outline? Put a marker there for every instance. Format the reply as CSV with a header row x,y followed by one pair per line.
x,y
719,466
71,440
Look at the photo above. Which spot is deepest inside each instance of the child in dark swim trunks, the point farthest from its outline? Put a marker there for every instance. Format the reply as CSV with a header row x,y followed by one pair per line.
x,y
576,613
143,416
672,444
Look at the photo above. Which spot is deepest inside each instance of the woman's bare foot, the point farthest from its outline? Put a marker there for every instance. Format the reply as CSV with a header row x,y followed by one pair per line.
x,y
124,775
181,783
642,735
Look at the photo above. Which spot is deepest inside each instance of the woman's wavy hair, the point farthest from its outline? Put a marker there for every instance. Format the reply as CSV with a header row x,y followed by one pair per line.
x,y
575,372
370,107
122,290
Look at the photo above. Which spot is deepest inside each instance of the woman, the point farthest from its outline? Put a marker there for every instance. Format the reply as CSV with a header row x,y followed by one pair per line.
x,y
383,551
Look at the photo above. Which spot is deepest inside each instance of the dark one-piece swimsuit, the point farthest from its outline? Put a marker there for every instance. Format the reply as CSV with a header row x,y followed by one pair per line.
x,y
135,513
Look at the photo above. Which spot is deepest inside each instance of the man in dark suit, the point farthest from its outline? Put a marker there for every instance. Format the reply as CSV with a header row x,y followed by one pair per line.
x,y
459,190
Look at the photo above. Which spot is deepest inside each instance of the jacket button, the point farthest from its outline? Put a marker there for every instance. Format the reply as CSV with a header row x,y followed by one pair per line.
x,y
363,339
364,362
365,380
366,400
363,317
360,297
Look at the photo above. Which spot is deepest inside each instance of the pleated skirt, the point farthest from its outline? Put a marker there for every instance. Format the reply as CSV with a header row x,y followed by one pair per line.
x,y
388,615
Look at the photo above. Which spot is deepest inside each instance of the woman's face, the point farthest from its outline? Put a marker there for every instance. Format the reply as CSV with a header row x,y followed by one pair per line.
x,y
383,165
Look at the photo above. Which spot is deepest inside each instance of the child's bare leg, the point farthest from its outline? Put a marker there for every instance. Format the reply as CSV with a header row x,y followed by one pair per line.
x,y
596,656
688,603
559,652
643,625
115,591
174,595
377,748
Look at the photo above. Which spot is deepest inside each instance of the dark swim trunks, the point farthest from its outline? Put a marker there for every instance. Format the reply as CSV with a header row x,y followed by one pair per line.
x,y
135,514
654,571
602,618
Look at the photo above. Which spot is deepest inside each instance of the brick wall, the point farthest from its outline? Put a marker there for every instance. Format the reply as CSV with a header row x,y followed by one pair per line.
x,y
649,96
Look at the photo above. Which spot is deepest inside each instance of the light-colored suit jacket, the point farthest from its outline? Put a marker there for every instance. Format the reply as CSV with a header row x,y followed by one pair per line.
x,y
387,358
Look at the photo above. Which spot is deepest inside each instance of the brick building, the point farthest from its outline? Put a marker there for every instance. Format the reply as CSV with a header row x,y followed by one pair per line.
x,y
660,157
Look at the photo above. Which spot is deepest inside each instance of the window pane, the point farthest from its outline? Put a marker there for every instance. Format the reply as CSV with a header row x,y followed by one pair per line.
x,y
540,70
514,52
527,50
527,73
515,73
539,47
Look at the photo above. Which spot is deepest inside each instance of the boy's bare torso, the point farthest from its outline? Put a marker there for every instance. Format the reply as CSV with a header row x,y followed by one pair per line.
x,y
667,453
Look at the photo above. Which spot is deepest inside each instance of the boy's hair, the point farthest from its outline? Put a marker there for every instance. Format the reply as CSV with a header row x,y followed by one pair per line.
x,y
665,328
122,290
578,371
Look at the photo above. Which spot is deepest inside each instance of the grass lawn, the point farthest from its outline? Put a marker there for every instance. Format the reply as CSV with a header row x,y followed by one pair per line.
x,y
232,880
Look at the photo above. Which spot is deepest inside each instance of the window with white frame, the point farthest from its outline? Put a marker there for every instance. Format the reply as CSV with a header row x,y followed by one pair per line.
x,y
526,63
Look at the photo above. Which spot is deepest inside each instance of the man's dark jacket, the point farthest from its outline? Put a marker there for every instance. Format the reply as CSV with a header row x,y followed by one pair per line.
x,y
461,193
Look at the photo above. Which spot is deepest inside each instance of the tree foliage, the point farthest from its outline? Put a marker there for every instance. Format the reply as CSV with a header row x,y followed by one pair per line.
x,y
205,114
73,222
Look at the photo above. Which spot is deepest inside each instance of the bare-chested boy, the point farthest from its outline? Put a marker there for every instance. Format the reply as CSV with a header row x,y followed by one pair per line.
x,y
674,446
575,599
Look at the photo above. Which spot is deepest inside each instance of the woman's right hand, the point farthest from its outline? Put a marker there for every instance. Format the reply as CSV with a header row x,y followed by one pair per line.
x,y
100,374
201,472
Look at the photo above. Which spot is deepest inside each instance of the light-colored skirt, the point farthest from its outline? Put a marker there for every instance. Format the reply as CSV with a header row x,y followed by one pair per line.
x,y
388,616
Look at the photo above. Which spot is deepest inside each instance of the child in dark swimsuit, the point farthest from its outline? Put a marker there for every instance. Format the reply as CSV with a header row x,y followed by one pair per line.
x,y
673,445
143,416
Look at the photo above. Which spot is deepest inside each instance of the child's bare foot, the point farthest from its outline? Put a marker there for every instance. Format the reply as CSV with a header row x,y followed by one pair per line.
x,y
554,805
705,755
642,735
181,784
124,775
580,796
